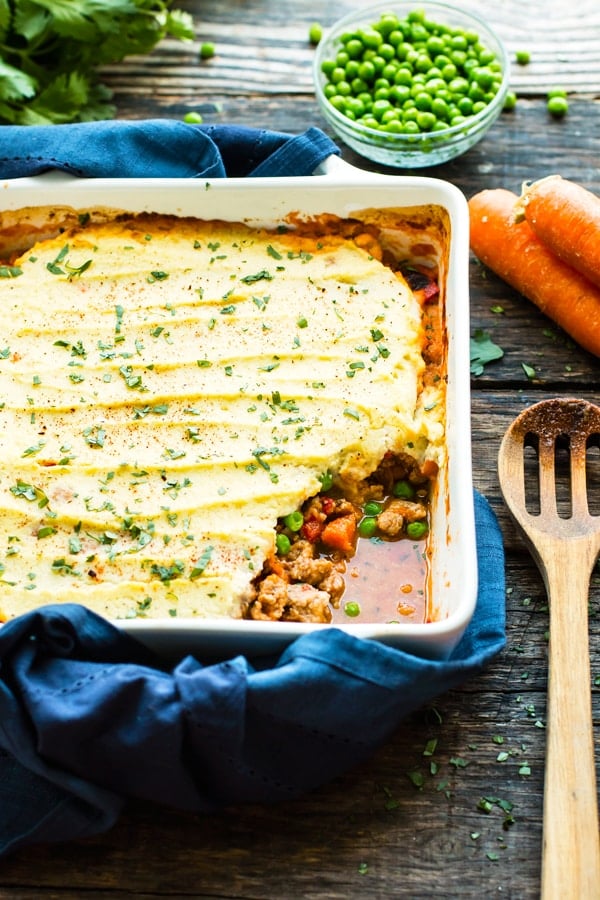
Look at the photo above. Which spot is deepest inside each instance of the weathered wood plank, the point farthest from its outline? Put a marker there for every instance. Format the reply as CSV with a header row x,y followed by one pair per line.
x,y
265,48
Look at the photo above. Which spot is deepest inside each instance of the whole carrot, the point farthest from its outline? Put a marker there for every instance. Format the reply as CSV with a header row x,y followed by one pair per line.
x,y
566,218
515,253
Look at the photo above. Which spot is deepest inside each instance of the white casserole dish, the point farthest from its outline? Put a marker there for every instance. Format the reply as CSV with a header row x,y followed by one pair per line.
x,y
338,189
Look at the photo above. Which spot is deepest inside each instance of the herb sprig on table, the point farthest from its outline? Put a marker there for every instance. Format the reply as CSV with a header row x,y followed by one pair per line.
x,y
51,52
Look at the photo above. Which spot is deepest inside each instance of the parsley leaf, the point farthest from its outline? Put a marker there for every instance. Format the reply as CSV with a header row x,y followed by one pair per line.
x,y
483,351
51,52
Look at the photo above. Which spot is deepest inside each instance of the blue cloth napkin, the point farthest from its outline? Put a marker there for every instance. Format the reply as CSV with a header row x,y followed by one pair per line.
x,y
89,718
159,148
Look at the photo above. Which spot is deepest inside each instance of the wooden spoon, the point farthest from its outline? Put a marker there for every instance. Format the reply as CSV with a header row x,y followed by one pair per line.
x,y
565,550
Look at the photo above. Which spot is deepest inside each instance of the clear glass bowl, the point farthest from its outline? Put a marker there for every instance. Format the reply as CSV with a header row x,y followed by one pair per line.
x,y
426,148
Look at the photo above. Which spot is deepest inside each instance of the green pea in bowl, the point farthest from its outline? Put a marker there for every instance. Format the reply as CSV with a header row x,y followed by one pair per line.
x,y
411,85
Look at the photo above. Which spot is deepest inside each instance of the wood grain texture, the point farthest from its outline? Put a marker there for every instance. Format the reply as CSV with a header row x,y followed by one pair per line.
x,y
263,47
373,833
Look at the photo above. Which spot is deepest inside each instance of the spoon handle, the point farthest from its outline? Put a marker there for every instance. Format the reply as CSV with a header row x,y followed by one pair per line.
x,y
571,836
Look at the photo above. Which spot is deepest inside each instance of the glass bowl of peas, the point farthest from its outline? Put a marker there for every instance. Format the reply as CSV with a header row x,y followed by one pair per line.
x,y
410,86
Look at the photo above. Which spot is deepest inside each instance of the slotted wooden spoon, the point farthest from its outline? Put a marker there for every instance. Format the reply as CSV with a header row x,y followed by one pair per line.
x,y
565,549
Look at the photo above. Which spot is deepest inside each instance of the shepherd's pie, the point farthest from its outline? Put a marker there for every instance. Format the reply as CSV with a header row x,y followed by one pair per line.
x,y
180,399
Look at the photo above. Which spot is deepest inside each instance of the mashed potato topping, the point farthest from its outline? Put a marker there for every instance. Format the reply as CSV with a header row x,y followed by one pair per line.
x,y
170,388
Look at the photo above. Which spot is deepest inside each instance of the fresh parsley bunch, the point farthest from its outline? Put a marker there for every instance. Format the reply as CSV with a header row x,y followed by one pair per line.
x,y
51,50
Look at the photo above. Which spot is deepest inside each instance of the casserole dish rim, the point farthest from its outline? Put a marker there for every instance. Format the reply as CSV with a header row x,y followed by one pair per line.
x,y
336,187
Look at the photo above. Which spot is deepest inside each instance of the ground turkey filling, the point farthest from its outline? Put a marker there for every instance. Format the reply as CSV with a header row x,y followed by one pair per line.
x,y
305,579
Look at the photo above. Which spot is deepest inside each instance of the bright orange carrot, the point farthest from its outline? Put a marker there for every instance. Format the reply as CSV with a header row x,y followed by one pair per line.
x,y
566,218
515,253
340,533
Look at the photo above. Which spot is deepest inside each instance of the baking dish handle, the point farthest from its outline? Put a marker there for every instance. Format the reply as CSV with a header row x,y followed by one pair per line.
x,y
334,168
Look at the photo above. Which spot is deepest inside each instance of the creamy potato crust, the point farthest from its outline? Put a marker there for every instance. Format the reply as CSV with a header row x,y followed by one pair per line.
x,y
169,388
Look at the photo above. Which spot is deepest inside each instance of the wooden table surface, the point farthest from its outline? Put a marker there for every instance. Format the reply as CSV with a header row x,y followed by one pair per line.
x,y
374,833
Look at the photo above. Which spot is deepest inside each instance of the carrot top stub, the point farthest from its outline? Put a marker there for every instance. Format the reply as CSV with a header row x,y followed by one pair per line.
x,y
566,218
512,250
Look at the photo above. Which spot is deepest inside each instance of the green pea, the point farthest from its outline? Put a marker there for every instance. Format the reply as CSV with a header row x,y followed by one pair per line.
x,y
207,50
389,116
395,38
283,544
360,87
557,106
367,70
403,489
367,527
326,479
352,609
510,101
343,88
382,94
423,101
403,76
425,120
458,42
522,57
387,52
379,107
370,122
393,126
484,77
356,106
435,45
410,127
370,38
486,56
354,48
372,508
351,69
387,24
416,530
458,57
192,118
439,108
423,63
418,32
294,521
403,50
338,102
399,93
379,63
475,92
315,33
465,106
458,85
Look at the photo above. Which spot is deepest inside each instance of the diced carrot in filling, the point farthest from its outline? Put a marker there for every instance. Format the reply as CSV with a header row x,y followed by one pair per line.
x,y
340,534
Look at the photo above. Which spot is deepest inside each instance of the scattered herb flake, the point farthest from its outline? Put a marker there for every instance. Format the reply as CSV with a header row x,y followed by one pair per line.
x,y
483,351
